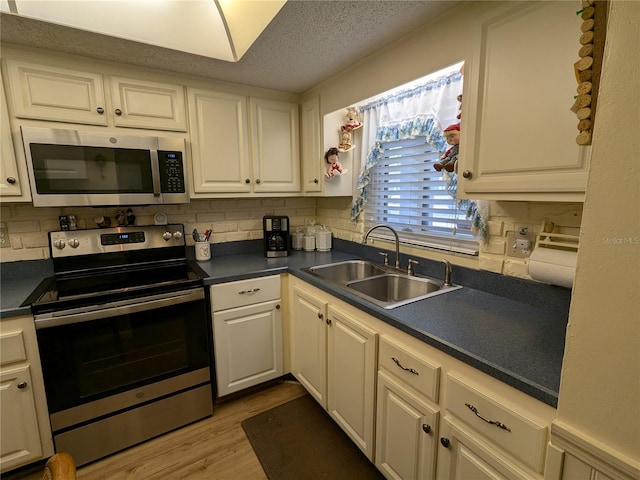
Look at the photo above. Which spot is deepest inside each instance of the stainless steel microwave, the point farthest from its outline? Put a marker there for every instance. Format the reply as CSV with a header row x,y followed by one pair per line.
x,y
74,168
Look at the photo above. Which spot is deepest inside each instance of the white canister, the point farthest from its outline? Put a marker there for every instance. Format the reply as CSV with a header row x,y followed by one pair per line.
x,y
309,243
203,251
297,241
323,240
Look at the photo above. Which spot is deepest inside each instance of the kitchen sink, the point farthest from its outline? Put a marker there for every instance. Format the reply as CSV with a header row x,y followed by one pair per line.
x,y
347,271
393,290
383,285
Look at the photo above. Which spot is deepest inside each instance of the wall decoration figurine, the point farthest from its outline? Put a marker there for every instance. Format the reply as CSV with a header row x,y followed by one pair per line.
x,y
345,139
332,158
353,119
449,159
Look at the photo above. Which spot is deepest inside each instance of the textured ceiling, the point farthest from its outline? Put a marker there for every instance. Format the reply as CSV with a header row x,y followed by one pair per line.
x,y
307,42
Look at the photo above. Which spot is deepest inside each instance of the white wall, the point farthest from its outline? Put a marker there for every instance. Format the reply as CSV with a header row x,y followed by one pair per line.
x,y
600,388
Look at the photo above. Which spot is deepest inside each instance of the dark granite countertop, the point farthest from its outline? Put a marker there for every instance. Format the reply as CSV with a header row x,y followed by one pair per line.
x,y
17,281
511,329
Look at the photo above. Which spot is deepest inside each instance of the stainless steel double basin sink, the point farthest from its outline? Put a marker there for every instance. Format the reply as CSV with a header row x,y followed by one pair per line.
x,y
384,286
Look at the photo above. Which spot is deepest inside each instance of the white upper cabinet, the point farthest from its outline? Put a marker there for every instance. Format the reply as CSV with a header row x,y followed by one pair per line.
x,y
242,145
518,132
219,142
42,92
13,182
45,92
140,104
275,146
312,172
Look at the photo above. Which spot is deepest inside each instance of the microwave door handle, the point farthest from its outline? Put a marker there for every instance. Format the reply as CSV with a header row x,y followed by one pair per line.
x,y
155,173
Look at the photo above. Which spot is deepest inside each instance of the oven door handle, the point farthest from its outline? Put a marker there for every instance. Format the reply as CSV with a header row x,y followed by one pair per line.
x,y
113,309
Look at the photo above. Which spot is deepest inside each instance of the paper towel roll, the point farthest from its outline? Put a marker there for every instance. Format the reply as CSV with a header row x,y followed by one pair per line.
x,y
550,265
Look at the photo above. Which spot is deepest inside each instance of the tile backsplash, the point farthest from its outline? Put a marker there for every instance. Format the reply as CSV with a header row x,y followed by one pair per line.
x,y
24,228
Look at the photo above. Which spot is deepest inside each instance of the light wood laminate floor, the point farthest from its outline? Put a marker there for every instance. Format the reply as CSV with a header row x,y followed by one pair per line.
x,y
215,448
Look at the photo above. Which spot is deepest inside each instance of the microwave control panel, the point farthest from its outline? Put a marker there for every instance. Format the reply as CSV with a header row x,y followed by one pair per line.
x,y
171,172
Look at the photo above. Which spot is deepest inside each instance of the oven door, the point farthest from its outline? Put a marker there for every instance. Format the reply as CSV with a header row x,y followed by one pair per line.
x,y
107,358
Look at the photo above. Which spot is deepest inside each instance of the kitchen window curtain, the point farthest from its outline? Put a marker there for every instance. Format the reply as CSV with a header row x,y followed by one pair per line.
x,y
426,110
423,110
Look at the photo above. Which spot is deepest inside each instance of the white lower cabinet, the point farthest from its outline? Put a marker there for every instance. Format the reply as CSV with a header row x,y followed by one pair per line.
x,y
26,434
406,432
434,417
489,436
247,333
352,348
309,343
407,412
334,358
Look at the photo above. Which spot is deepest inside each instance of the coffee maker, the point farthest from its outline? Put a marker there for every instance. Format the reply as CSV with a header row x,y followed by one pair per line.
x,y
276,235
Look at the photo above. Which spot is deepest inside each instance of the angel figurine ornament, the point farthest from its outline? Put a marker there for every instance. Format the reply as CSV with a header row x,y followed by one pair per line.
x,y
331,157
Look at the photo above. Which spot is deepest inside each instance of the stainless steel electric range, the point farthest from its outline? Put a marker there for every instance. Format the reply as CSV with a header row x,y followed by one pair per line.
x,y
124,336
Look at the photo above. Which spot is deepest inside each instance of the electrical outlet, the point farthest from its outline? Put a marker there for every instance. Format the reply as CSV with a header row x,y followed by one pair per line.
x,y
5,241
512,250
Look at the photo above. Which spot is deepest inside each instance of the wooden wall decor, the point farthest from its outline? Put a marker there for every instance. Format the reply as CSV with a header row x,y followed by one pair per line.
x,y
588,68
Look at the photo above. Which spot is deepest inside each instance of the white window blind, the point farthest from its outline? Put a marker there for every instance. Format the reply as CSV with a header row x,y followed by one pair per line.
x,y
408,194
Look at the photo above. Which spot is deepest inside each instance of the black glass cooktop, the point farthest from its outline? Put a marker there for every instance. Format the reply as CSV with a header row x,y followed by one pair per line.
x,y
75,290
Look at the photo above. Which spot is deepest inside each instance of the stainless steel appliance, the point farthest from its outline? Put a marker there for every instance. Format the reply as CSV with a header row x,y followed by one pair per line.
x,y
276,235
124,336
72,168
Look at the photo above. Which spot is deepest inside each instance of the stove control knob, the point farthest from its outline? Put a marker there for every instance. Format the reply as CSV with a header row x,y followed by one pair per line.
x,y
59,244
177,235
74,243
167,236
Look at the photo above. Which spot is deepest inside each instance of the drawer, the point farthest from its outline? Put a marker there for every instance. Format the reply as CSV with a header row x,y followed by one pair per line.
x,y
409,367
504,423
245,292
12,347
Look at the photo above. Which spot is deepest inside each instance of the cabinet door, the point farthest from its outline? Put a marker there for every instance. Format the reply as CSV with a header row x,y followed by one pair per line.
x,y
248,346
20,432
219,142
275,146
309,348
351,372
463,455
58,94
312,155
10,185
140,104
406,432
519,133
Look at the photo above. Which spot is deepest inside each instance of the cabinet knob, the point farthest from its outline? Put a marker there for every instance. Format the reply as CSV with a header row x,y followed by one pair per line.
x,y
11,180
315,180
328,321
22,385
320,316
246,180
100,110
445,442
258,180
118,111
426,428
278,307
467,174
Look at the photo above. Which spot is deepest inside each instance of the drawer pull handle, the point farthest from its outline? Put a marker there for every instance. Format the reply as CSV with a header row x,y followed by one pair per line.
x,y
481,417
410,370
250,292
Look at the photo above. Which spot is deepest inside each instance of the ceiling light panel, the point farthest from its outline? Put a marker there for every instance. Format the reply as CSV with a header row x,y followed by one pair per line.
x,y
192,26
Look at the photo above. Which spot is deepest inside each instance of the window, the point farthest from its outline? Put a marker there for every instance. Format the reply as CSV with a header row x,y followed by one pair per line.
x,y
408,194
